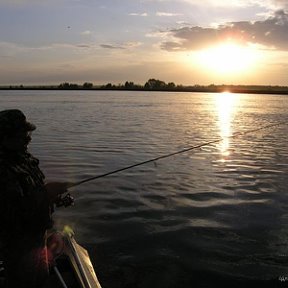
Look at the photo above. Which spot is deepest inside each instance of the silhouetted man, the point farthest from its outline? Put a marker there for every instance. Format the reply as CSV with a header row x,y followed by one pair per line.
x,y
26,204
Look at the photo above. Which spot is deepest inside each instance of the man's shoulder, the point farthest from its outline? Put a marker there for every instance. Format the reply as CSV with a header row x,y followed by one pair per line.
x,y
6,171
3,166
6,174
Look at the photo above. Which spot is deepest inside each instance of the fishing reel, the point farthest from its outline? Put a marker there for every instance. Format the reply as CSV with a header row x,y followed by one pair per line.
x,y
65,201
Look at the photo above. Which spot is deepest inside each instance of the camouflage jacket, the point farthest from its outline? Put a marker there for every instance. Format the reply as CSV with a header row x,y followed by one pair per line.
x,y
24,205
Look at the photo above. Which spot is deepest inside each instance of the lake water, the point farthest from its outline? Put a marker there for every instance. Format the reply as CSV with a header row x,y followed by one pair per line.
x,y
214,215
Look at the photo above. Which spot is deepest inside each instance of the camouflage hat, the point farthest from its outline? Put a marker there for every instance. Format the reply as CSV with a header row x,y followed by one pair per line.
x,y
13,120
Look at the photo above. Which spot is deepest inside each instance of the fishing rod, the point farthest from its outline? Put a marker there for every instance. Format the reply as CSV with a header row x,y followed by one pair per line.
x,y
234,135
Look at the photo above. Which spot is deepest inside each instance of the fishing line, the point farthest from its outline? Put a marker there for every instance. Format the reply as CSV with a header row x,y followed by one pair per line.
x,y
234,135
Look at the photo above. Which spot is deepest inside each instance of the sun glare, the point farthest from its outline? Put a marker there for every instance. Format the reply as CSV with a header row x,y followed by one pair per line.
x,y
228,58
226,106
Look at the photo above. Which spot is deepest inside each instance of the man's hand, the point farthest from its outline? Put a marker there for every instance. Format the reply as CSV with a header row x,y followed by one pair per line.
x,y
56,188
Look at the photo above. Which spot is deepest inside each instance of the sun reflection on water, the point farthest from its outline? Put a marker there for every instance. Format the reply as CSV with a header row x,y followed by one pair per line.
x,y
226,104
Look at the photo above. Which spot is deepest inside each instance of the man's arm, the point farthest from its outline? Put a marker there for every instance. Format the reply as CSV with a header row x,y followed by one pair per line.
x,y
55,189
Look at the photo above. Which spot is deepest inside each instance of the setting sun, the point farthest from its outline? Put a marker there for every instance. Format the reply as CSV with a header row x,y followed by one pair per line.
x,y
228,58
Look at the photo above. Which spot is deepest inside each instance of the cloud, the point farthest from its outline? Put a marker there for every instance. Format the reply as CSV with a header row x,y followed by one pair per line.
x,y
86,33
108,46
274,4
128,45
165,14
271,33
139,14
11,50
132,44
83,46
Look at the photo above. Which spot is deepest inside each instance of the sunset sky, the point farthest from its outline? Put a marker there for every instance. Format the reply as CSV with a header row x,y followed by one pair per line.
x,y
184,41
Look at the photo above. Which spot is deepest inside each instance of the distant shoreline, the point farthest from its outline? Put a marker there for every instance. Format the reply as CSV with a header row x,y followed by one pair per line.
x,y
240,91
156,85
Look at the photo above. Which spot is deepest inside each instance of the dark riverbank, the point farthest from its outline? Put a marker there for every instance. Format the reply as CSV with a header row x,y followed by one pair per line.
x,y
283,90
157,85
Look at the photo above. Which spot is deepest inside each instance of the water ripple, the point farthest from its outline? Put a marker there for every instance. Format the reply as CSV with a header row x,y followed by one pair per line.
x,y
219,211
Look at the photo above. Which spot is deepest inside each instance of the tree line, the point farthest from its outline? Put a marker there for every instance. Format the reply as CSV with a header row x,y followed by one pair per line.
x,y
151,84
158,85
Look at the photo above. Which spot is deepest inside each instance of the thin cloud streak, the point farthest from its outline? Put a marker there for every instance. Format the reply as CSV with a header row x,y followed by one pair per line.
x,y
166,14
16,48
108,46
139,14
128,45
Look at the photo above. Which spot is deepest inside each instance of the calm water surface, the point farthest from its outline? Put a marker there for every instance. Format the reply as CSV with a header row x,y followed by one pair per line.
x,y
215,215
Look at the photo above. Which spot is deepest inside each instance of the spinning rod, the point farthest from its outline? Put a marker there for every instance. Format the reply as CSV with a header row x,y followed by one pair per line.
x,y
234,135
